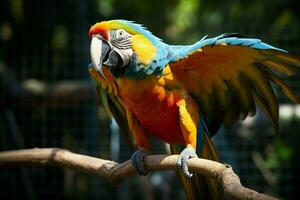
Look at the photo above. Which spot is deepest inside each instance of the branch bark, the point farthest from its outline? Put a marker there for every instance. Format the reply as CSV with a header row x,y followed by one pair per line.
x,y
114,172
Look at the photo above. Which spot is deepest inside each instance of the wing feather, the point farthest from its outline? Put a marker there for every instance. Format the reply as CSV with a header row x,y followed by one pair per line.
x,y
114,107
227,75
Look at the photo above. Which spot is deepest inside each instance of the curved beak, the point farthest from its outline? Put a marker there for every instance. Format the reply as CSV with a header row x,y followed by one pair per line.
x,y
99,51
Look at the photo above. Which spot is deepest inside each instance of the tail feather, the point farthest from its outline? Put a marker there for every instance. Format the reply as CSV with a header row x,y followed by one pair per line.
x,y
194,187
210,148
209,152
200,187
284,87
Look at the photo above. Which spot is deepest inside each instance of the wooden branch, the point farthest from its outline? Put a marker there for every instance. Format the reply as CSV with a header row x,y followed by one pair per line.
x,y
114,172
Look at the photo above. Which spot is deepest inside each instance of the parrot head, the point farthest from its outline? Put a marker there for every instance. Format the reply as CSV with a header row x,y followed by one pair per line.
x,y
119,43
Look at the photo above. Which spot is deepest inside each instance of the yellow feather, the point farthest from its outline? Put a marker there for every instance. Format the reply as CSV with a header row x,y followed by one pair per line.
x,y
143,48
263,105
264,88
263,93
241,92
221,93
113,25
288,59
284,87
289,70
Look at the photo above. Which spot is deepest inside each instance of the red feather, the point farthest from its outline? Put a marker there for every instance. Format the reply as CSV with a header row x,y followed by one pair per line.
x,y
98,30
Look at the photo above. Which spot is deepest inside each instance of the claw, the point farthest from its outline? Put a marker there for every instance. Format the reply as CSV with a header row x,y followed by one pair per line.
x,y
137,160
182,162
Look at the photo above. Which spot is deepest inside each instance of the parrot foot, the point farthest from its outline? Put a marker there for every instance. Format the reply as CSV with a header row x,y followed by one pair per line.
x,y
182,162
137,160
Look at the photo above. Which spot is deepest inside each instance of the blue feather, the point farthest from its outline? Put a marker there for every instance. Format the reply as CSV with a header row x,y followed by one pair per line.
x,y
161,58
171,53
182,51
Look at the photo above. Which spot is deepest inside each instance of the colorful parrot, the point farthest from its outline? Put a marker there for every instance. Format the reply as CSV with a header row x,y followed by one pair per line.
x,y
183,94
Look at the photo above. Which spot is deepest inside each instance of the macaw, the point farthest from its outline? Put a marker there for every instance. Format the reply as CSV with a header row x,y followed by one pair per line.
x,y
183,94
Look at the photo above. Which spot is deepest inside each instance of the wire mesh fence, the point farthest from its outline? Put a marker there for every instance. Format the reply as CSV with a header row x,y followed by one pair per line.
x,y
48,100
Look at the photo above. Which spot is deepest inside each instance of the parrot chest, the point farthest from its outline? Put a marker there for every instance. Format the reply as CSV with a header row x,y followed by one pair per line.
x,y
154,106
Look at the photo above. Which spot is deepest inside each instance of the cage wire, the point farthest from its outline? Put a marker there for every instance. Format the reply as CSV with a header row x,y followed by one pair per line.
x,y
48,100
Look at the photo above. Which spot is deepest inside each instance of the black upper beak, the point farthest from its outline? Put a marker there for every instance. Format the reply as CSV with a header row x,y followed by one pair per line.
x,y
114,60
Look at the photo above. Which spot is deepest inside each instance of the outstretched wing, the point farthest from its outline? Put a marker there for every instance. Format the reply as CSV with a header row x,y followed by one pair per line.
x,y
108,92
228,74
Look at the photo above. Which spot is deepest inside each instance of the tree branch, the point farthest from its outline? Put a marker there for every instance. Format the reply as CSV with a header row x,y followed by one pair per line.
x,y
114,172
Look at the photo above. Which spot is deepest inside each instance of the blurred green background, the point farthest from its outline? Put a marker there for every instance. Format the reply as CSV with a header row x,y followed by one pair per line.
x,y
48,100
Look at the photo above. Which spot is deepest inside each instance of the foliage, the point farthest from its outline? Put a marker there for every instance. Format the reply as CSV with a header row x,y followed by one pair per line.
x,y
47,40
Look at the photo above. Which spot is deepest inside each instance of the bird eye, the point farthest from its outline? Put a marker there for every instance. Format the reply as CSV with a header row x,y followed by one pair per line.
x,y
120,34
